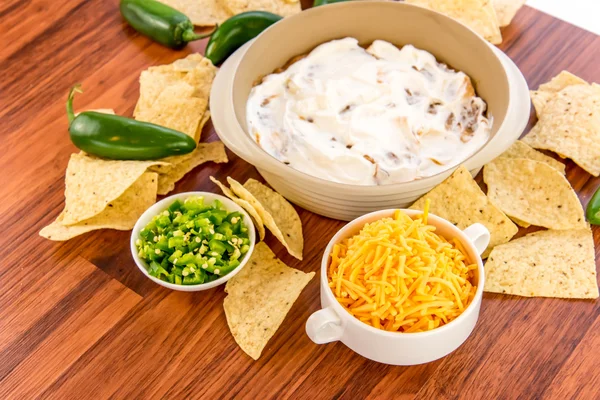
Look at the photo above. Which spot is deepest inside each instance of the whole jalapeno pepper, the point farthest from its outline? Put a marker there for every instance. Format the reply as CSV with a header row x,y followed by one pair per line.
x,y
120,138
593,209
161,23
235,32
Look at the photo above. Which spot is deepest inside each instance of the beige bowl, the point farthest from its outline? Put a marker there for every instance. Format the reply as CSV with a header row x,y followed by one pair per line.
x,y
496,79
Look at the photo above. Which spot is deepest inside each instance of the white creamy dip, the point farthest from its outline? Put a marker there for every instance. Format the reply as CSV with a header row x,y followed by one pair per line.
x,y
368,117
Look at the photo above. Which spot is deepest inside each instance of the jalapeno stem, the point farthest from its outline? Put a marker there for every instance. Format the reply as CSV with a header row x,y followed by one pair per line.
x,y
75,89
190,35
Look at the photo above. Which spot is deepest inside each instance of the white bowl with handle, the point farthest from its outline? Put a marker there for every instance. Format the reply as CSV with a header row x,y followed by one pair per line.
x,y
333,323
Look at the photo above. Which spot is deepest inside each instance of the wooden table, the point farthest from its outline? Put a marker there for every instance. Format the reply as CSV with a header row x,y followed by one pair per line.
x,y
78,319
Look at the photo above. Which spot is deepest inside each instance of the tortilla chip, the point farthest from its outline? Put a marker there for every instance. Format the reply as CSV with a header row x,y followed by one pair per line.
x,y
569,124
203,122
277,214
201,12
539,100
178,166
175,108
478,15
534,193
195,70
151,86
92,183
285,215
121,214
204,119
521,150
506,10
200,76
544,93
561,81
258,222
519,222
545,264
279,7
259,297
460,200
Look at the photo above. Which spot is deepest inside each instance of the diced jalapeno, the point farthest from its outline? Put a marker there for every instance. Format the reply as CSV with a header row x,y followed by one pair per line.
x,y
217,246
194,243
192,280
235,255
185,259
233,264
202,222
230,248
190,242
217,216
176,242
157,270
163,243
176,270
176,254
180,219
163,221
225,229
146,234
175,206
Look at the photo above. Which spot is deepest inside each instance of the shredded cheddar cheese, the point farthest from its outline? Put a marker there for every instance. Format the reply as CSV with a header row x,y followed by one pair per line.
x,y
397,274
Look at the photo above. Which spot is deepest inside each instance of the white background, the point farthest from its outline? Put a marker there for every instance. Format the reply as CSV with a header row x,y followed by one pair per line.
x,y
583,13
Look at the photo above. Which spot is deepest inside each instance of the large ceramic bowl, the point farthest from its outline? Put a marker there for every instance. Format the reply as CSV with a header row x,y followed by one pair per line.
x,y
496,79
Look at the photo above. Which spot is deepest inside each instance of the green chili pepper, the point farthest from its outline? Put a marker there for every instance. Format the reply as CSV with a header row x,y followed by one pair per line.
x,y
120,138
160,22
593,209
318,3
157,270
235,32
192,280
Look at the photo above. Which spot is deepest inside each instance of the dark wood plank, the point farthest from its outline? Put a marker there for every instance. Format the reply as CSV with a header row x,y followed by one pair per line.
x,y
53,322
78,320
579,377
523,341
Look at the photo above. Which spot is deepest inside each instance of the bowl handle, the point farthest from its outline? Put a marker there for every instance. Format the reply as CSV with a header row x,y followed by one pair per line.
x,y
479,236
324,326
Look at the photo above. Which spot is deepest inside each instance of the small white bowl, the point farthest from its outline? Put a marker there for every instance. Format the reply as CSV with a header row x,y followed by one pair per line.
x,y
333,322
162,205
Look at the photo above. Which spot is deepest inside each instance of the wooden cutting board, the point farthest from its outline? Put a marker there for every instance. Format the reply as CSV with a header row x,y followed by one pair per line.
x,y
78,319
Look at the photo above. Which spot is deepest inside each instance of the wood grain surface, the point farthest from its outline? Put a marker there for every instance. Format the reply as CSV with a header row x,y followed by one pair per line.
x,y
78,320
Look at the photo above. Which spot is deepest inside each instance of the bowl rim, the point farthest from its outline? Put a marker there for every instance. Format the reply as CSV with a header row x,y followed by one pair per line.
x,y
374,216
276,165
162,205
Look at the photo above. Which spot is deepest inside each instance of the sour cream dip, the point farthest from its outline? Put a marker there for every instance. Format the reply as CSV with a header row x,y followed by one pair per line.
x,y
371,116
